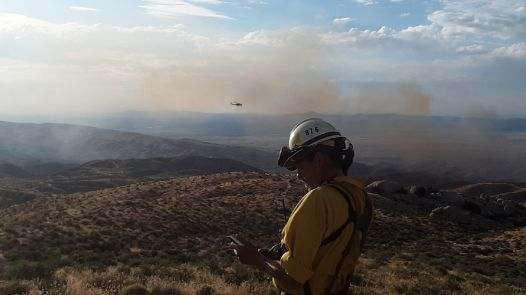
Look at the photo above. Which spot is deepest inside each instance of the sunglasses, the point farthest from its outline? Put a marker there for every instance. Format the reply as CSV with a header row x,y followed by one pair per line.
x,y
289,158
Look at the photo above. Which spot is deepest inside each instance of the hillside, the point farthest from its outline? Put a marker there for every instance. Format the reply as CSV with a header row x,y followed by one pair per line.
x,y
41,179
476,149
170,234
10,170
108,173
451,149
111,173
9,197
25,143
156,167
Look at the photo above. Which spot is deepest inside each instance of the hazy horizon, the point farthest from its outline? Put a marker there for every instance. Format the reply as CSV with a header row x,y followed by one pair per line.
x,y
73,118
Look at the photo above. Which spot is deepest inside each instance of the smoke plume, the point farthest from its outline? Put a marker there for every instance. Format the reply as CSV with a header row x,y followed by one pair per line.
x,y
405,98
288,77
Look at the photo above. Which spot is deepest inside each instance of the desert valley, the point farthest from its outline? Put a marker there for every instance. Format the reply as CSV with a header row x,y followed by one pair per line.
x,y
91,210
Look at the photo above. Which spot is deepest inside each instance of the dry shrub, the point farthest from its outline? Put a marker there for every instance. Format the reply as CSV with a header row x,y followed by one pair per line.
x,y
16,287
135,290
30,287
182,279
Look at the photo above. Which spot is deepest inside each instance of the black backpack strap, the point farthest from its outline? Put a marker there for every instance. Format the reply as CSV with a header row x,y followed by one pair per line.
x,y
364,220
351,215
306,288
361,222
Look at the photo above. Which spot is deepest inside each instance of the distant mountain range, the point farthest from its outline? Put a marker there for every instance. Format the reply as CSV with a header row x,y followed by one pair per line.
x,y
477,149
240,124
27,144
472,149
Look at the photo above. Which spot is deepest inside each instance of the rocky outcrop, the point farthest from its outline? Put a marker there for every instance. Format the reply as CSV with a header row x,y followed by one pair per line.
x,y
455,206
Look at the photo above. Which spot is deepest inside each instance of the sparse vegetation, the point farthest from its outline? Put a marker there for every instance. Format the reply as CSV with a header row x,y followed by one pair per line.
x,y
167,237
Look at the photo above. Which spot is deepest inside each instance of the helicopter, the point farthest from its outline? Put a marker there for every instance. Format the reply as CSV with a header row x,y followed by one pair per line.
x,y
236,104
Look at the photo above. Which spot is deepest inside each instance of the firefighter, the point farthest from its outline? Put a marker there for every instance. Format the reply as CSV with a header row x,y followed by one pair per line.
x,y
325,232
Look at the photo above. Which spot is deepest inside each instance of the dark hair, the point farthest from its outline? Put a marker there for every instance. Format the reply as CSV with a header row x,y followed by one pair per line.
x,y
340,154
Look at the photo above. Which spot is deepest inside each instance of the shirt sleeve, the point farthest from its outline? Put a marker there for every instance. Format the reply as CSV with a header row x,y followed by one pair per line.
x,y
305,231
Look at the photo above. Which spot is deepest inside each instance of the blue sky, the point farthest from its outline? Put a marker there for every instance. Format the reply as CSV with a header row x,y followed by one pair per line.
x,y
352,56
246,15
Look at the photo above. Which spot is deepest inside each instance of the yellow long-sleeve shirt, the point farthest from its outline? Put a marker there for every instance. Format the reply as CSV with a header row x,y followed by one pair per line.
x,y
318,214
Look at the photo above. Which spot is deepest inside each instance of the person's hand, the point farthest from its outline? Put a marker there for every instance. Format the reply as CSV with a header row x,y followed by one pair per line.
x,y
247,253
273,253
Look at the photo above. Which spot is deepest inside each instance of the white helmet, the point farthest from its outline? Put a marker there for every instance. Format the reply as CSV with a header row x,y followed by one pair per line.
x,y
310,132
310,136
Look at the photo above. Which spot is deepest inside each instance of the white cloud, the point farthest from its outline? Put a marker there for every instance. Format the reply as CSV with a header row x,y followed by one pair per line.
x,y
426,33
208,1
472,49
20,25
342,21
516,50
175,8
168,67
257,2
29,39
83,8
366,2
103,67
309,38
357,37
497,19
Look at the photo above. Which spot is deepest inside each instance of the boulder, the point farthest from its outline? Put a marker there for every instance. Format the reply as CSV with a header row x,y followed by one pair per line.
x,y
384,187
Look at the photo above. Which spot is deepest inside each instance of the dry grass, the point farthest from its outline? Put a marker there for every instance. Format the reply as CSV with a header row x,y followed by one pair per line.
x,y
182,279
168,235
